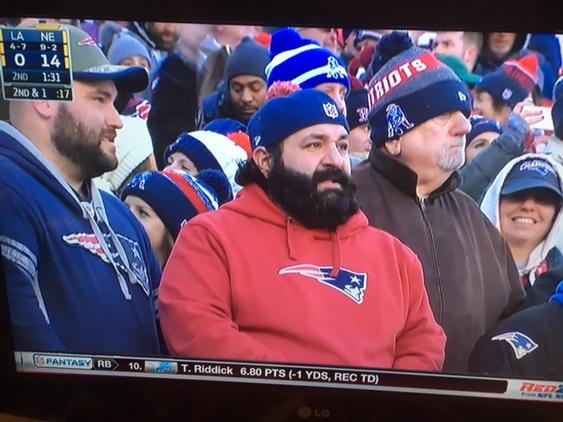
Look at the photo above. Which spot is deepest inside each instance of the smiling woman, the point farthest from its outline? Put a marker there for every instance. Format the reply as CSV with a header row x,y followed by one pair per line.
x,y
524,202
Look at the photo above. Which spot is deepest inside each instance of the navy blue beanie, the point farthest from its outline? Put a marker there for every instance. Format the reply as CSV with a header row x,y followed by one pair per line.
x,y
513,81
481,125
303,62
357,108
249,58
281,117
409,87
225,126
176,197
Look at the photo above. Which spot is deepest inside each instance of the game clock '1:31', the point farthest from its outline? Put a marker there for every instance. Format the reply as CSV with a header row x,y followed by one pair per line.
x,y
36,63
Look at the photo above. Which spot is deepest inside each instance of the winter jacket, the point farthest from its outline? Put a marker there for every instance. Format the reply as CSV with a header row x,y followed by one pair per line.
x,y
469,273
216,106
249,283
481,171
174,105
537,264
526,345
487,62
80,274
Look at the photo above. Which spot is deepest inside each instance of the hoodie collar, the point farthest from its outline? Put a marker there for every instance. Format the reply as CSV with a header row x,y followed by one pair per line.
x,y
254,202
404,178
490,206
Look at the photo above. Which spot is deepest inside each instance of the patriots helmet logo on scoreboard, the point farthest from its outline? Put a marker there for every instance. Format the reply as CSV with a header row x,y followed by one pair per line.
x,y
520,343
351,283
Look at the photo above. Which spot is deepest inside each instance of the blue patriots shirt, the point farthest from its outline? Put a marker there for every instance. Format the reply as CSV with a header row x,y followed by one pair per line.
x,y
63,289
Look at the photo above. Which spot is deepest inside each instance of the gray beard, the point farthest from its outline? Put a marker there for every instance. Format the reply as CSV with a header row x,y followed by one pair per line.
x,y
450,162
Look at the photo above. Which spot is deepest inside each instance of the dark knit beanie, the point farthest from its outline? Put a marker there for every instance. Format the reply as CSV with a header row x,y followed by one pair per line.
x,y
513,81
410,86
176,197
357,108
281,117
249,58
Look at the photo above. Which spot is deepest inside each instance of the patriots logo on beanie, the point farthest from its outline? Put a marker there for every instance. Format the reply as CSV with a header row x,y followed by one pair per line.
x,y
513,81
303,62
410,86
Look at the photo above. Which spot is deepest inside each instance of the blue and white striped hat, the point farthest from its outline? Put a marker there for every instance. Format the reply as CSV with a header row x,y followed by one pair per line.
x,y
303,62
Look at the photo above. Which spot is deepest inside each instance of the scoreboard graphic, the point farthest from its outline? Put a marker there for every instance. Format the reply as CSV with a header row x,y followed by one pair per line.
x,y
36,63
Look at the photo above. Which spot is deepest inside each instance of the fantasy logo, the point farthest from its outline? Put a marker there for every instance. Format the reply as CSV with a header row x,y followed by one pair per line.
x,y
63,362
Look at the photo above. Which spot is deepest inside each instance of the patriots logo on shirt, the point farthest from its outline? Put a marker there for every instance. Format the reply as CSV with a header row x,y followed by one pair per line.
x,y
89,241
350,283
520,343
136,261
132,249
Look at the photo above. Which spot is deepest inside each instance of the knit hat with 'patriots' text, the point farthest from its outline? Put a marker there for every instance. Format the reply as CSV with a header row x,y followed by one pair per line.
x,y
410,86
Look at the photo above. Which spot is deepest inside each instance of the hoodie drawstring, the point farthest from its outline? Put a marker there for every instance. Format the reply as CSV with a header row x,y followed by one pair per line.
x,y
289,238
336,255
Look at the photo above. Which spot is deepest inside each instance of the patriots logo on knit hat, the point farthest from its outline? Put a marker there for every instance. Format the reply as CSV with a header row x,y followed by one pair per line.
x,y
410,86
513,81
397,122
303,62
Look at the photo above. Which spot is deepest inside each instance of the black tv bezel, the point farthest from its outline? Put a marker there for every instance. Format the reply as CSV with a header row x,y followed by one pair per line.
x,y
41,394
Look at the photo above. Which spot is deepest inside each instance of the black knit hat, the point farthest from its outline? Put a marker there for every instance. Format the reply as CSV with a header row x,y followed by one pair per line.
x,y
357,108
249,58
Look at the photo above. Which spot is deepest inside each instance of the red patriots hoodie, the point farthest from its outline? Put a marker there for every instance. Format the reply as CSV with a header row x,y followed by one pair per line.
x,y
249,283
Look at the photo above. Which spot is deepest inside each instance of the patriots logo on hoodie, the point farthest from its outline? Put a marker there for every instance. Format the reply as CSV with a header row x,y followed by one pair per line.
x,y
350,283
520,343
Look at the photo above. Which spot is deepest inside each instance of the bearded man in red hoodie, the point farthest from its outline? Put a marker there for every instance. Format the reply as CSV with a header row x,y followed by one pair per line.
x,y
290,271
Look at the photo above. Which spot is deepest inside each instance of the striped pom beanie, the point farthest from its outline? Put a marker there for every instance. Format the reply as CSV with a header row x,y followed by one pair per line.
x,y
175,196
410,86
303,62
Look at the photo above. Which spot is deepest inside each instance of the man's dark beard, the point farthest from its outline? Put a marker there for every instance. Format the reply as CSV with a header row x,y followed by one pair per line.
x,y
158,39
297,194
81,145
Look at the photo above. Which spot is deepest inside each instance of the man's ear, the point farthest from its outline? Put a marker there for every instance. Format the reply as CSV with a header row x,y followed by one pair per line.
x,y
45,109
263,160
393,147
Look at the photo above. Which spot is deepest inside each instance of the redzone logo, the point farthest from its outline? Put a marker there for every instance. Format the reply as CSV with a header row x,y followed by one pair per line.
x,y
530,387
400,74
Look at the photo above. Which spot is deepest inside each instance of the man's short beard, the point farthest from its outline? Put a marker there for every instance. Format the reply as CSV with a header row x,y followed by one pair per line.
x,y
450,162
296,193
81,145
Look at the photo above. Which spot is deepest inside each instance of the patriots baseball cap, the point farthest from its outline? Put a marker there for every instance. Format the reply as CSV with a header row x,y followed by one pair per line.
x,y
90,64
532,173
281,117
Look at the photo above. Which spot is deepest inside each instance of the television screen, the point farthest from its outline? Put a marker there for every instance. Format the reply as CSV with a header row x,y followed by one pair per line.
x,y
371,211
